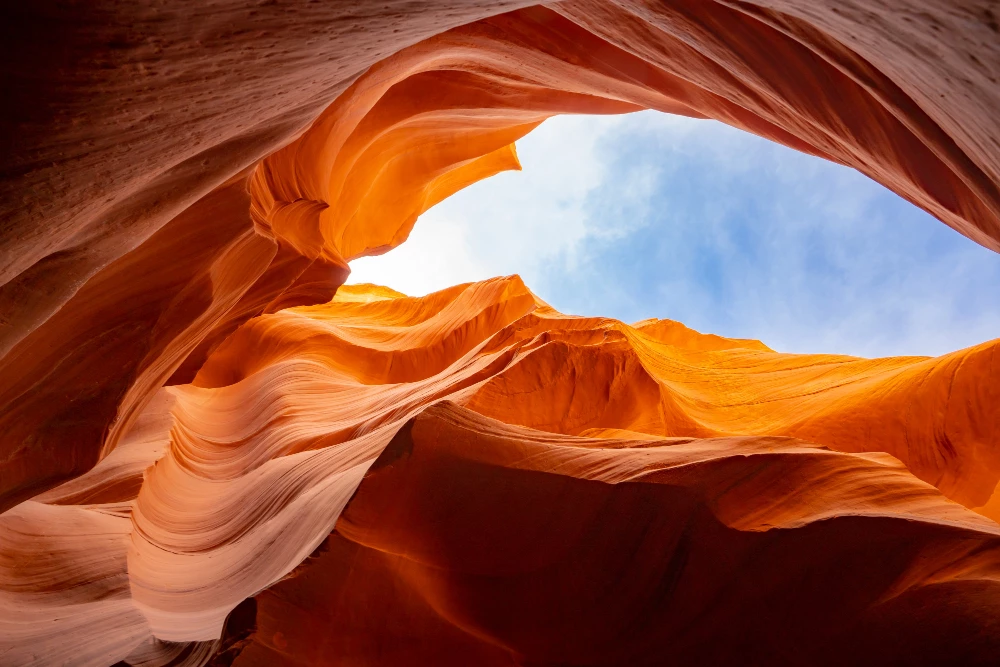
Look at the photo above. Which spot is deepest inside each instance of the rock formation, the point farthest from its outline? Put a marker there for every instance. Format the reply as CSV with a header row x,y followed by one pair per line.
x,y
534,488
191,403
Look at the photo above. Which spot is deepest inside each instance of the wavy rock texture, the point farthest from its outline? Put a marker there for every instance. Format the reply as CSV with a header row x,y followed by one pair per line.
x,y
535,488
130,249
185,413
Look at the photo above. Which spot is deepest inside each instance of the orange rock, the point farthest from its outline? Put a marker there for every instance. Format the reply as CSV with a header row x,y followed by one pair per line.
x,y
354,123
601,483
185,414
474,542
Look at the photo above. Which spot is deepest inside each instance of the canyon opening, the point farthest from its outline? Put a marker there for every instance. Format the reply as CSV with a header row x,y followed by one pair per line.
x,y
217,448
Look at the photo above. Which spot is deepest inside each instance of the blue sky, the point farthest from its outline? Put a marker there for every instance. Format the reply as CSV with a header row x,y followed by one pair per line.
x,y
650,215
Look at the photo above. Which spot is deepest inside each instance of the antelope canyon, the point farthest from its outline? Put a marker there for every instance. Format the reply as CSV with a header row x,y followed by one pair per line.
x,y
213,451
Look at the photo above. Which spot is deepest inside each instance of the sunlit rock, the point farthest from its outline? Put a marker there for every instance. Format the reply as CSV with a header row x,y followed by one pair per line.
x,y
191,403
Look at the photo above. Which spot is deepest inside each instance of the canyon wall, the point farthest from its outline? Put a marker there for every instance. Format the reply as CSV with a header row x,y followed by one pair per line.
x,y
183,420
483,480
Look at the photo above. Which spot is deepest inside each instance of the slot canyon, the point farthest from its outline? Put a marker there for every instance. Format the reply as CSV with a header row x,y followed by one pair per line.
x,y
214,451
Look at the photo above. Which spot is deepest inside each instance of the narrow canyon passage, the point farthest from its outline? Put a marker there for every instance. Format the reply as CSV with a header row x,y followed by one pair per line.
x,y
212,451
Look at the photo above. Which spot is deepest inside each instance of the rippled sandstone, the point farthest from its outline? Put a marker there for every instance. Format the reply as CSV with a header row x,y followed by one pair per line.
x,y
185,414
484,480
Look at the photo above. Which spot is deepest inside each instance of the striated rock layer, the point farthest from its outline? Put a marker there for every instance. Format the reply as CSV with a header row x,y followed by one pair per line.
x,y
186,416
492,482
172,172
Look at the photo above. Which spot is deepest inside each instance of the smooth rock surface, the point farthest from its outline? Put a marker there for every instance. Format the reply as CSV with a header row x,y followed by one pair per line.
x,y
191,403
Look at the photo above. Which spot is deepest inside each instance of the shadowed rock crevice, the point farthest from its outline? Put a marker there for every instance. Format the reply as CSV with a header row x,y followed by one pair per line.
x,y
190,397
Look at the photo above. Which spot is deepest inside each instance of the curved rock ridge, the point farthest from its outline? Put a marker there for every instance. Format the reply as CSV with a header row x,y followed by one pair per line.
x,y
474,542
592,376
172,174
211,451
521,487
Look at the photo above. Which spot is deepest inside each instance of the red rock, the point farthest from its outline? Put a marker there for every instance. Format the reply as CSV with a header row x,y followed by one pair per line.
x,y
146,111
184,416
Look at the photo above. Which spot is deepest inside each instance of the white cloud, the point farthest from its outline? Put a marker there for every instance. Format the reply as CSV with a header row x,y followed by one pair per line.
x,y
514,222
650,215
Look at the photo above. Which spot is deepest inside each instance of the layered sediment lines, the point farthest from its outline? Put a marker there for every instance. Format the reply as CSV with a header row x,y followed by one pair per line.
x,y
191,403
474,542
522,487
172,174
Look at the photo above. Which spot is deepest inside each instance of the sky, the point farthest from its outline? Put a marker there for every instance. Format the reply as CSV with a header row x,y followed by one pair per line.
x,y
652,215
